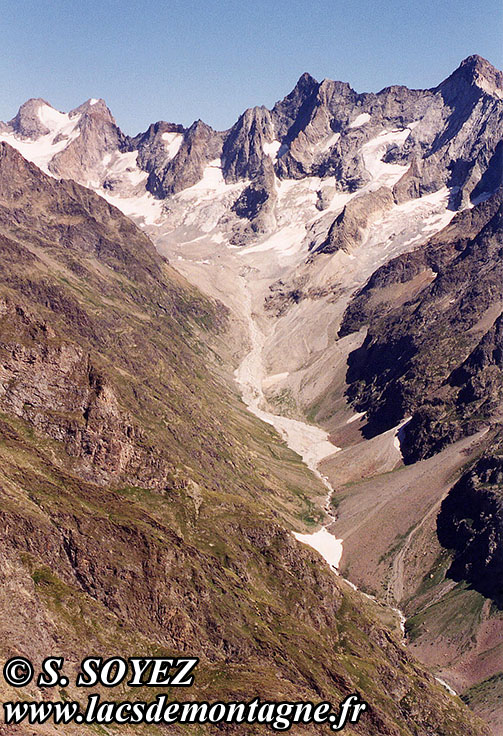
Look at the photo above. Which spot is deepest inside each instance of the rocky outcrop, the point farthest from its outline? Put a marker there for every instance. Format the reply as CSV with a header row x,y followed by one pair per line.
x,y
471,397
458,138
470,524
333,124
246,155
348,228
95,136
292,112
435,352
53,385
416,268
245,146
27,122
155,146
200,145
255,207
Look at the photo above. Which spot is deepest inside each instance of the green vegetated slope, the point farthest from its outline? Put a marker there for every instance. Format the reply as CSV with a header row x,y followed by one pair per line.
x,y
144,510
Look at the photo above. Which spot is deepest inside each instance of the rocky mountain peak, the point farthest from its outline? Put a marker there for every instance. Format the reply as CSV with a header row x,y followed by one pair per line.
x,y
29,121
97,108
94,135
305,89
447,136
184,157
9,154
331,86
243,150
199,127
476,66
474,71
302,96
305,83
156,129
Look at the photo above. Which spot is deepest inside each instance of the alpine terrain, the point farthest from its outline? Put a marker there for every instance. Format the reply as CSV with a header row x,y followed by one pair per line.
x,y
251,401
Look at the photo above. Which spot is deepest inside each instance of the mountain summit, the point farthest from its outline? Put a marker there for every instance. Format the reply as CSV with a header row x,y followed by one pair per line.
x,y
324,130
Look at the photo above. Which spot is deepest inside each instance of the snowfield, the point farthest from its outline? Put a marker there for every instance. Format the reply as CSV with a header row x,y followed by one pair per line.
x,y
62,130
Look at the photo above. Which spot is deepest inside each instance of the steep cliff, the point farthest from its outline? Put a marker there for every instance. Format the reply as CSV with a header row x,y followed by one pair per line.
x,y
470,524
435,352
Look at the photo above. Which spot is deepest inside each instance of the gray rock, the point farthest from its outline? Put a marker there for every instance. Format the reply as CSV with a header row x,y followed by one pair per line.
x,y
348,228
98,134
243,152
27,123
255,207
201,144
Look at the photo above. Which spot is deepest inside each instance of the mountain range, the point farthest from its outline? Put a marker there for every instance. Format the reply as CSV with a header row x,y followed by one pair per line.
x,y
203,333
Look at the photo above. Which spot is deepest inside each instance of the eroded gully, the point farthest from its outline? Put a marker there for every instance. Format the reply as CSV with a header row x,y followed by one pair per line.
x,y
310,442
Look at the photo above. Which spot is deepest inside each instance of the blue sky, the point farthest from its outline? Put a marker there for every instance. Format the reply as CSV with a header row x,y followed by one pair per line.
x,y
182,60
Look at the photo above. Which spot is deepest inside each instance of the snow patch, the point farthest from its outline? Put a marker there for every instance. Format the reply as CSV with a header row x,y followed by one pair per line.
x,y
144,207
438,221
491,89
360,120
51,118
211,183
331,141
41,151
325,543
271,149
447,687
172,142
398,435
382,173
355,417
202,205
123,166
